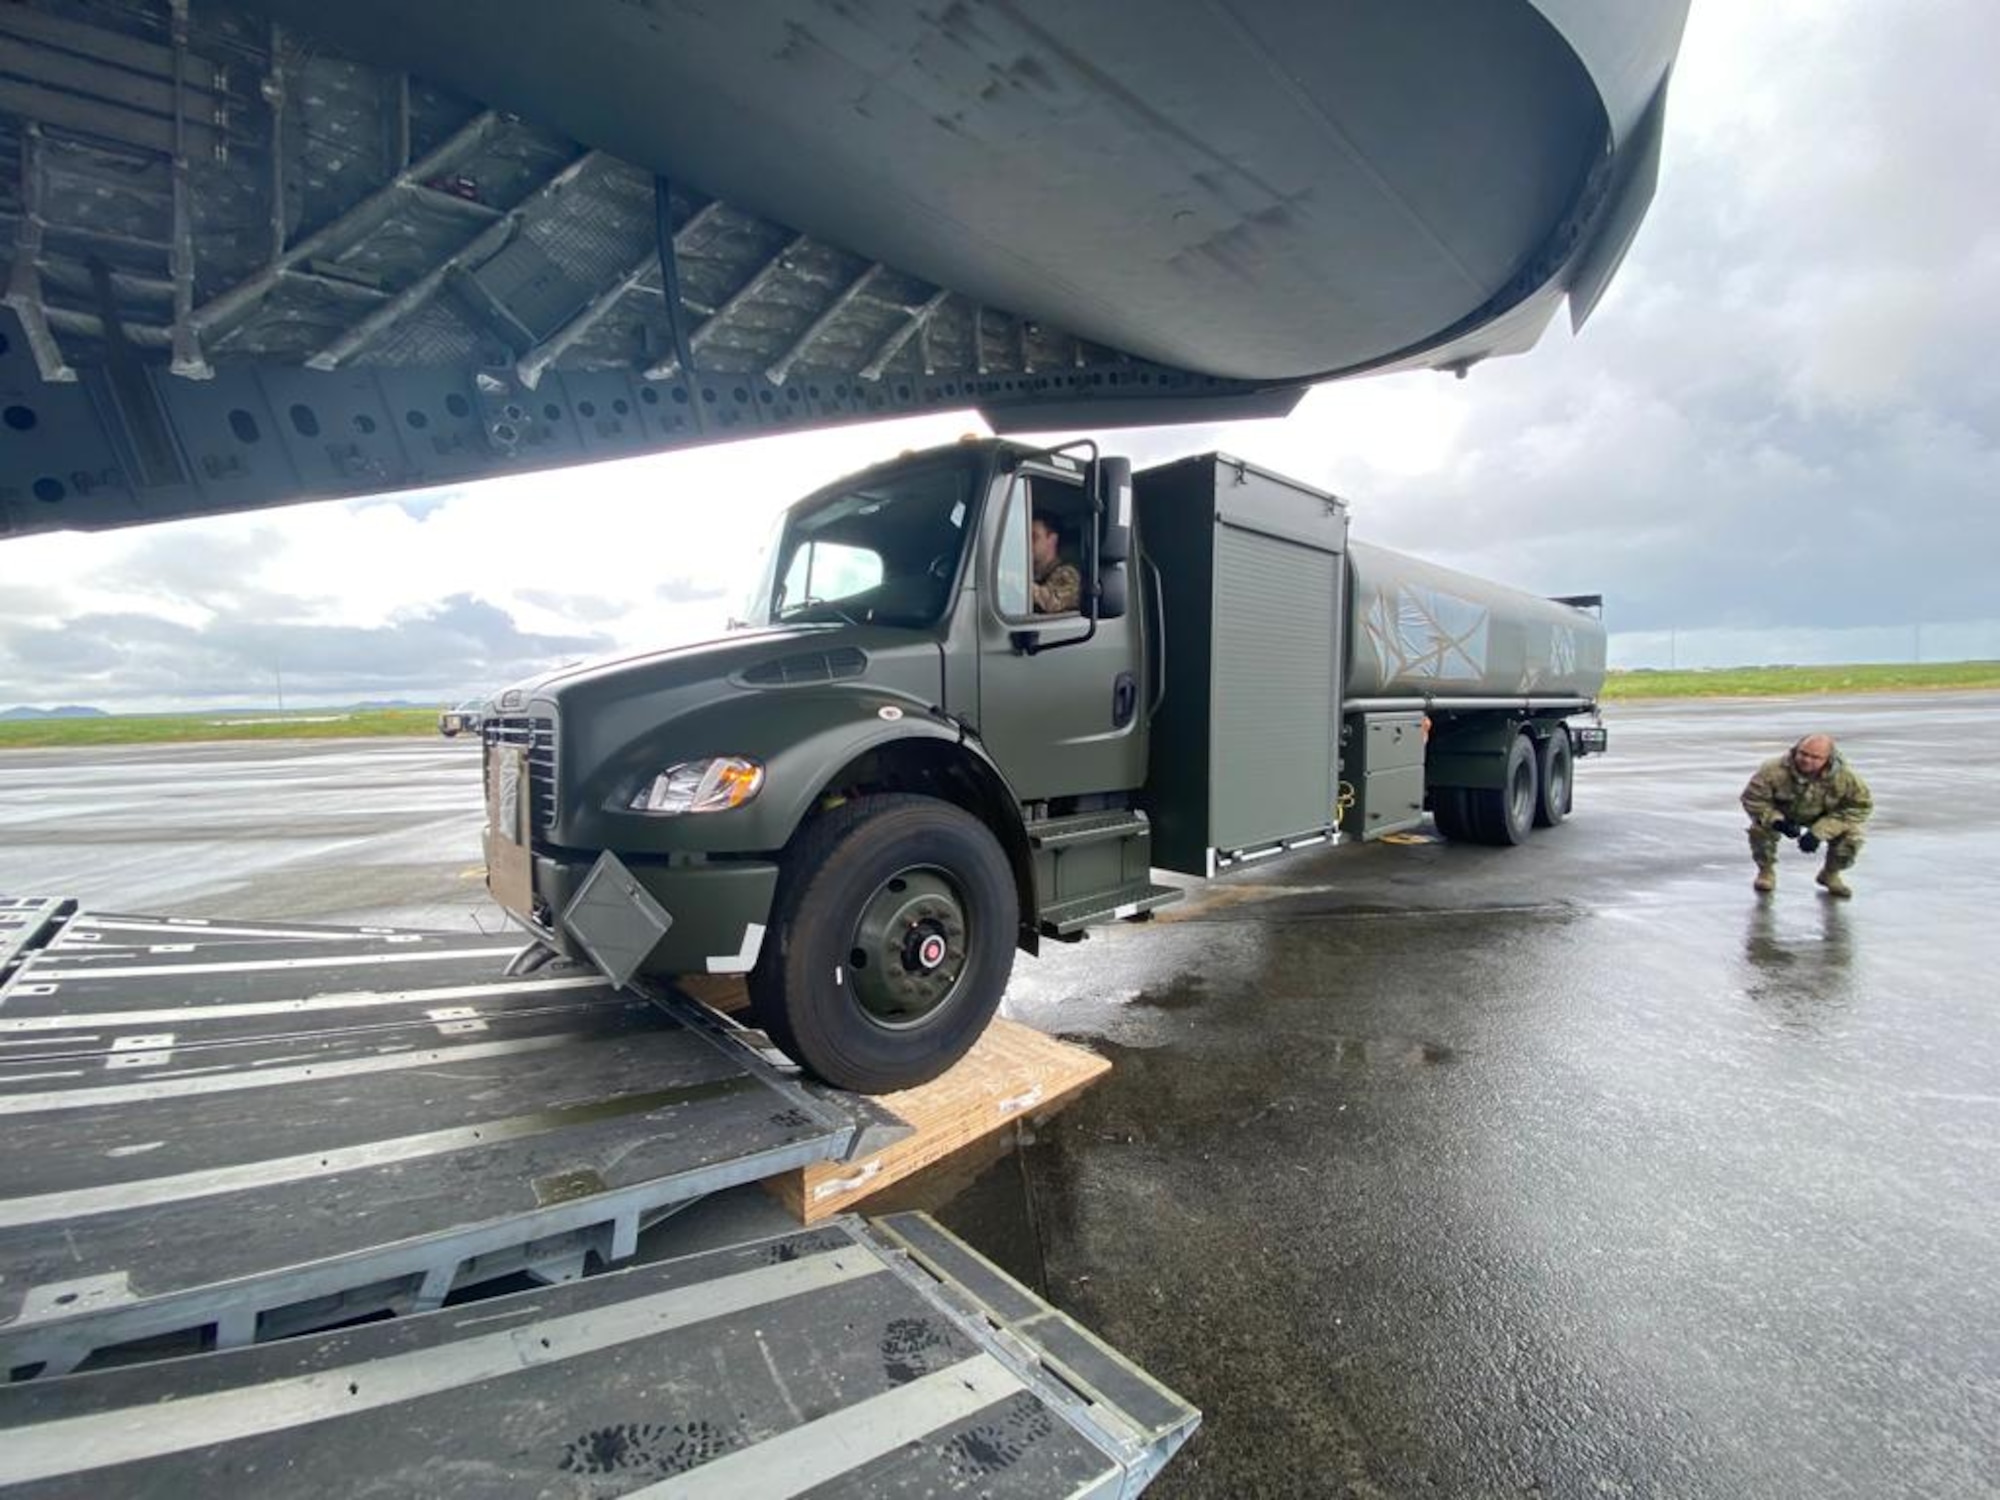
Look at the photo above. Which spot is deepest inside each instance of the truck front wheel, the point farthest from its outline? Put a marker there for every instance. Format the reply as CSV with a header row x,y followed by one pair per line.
x,y
891,941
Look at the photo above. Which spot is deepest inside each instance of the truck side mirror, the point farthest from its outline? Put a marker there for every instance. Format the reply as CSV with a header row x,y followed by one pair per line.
x,y
1115,516
1112,591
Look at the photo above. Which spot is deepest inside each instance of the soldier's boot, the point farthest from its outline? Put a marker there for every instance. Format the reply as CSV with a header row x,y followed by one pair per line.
x,y
1830,880
1764,854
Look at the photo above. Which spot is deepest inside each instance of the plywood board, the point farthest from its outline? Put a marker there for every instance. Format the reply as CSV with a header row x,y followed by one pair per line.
x,y
723,992
1013,1072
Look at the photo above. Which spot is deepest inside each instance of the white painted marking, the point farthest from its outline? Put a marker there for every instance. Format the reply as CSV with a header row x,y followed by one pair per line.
x,y
834,1186
54,1041
65,1299
1017,1102
270,965
153,1050
511,1315
807,1457
231,1082
347,1000
181,924
143,1042
745,958
157,1427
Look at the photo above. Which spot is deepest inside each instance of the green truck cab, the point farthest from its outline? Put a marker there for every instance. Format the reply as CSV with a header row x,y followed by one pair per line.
x,y
900,770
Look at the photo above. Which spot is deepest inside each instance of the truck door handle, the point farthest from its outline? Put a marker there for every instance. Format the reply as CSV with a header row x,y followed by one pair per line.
x,y
1124,700
1158,662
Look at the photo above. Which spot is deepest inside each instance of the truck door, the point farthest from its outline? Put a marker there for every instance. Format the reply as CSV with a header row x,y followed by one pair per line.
x,y
1060,709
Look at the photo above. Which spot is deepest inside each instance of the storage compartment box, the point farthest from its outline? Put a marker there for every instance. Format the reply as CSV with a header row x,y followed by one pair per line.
x,y
1250,586
1383,765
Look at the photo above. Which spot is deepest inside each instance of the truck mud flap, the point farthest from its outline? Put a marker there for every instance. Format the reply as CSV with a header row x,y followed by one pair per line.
x,y
616,919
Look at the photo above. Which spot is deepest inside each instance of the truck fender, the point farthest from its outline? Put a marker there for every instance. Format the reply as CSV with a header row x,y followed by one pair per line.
x,y
1470,753
958,771
803,737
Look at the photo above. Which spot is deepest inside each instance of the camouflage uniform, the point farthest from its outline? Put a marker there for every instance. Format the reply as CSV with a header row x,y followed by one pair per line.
x,y
1832,806
1058,590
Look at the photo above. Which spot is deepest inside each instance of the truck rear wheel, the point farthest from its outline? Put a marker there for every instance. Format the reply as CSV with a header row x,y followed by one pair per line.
x,y
1555,764
891,942
1505,814
1448,811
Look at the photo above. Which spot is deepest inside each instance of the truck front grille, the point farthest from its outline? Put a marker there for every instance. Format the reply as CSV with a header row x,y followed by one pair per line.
x,y
536,735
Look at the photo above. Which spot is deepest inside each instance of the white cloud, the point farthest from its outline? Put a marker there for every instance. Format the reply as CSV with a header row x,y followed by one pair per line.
x,y
648,552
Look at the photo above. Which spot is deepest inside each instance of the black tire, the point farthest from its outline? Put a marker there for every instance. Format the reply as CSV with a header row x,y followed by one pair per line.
x,y
1448,811
1505,814
1554,765
892,937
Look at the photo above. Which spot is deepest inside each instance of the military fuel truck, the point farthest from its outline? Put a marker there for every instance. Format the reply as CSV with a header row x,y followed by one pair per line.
x,y
898,771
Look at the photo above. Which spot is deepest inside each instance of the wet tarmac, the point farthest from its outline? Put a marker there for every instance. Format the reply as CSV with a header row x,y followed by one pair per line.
x,y
1575,1169
326,831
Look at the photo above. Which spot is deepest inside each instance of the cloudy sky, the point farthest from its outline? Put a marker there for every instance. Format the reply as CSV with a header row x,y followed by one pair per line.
x,y
1776,440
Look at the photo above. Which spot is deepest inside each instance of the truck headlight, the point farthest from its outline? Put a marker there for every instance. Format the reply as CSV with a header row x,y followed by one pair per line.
x,y
699,786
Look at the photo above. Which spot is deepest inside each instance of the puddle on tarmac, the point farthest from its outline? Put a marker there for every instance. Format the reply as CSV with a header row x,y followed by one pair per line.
x,y
982,1195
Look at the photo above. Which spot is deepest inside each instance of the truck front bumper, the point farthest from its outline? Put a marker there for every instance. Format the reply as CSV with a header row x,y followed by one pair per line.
x,y
652,919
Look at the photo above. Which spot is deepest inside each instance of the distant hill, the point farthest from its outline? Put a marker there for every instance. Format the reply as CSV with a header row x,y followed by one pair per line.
x,y
67,711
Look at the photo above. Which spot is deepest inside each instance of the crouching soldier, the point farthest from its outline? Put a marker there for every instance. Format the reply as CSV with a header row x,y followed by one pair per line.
x,y
1812,795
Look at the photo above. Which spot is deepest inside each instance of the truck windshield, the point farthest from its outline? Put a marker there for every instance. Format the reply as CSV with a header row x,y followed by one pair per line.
x,y
884,551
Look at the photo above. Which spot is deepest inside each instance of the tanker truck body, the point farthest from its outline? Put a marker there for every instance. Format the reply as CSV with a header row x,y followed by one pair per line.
x,y
901,771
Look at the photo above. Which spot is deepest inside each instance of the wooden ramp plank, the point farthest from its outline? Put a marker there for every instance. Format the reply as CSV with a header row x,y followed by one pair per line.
x,y
1013,1072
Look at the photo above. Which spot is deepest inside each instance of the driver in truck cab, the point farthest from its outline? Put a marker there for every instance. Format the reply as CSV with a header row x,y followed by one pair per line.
x,y
1058,586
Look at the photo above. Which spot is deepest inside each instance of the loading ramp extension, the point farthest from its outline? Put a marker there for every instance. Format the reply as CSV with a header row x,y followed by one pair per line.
x,y
235,1149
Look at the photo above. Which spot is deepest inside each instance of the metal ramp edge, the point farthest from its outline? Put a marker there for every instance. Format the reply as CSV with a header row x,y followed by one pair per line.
x,y
25,925
1133,1416
250,1130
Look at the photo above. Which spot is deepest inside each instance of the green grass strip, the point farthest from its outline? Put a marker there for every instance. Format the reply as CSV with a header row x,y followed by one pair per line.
x,y
161,729
1776,682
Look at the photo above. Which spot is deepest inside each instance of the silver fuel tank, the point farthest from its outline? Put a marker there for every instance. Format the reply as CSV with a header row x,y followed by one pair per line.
x,y
1419,630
